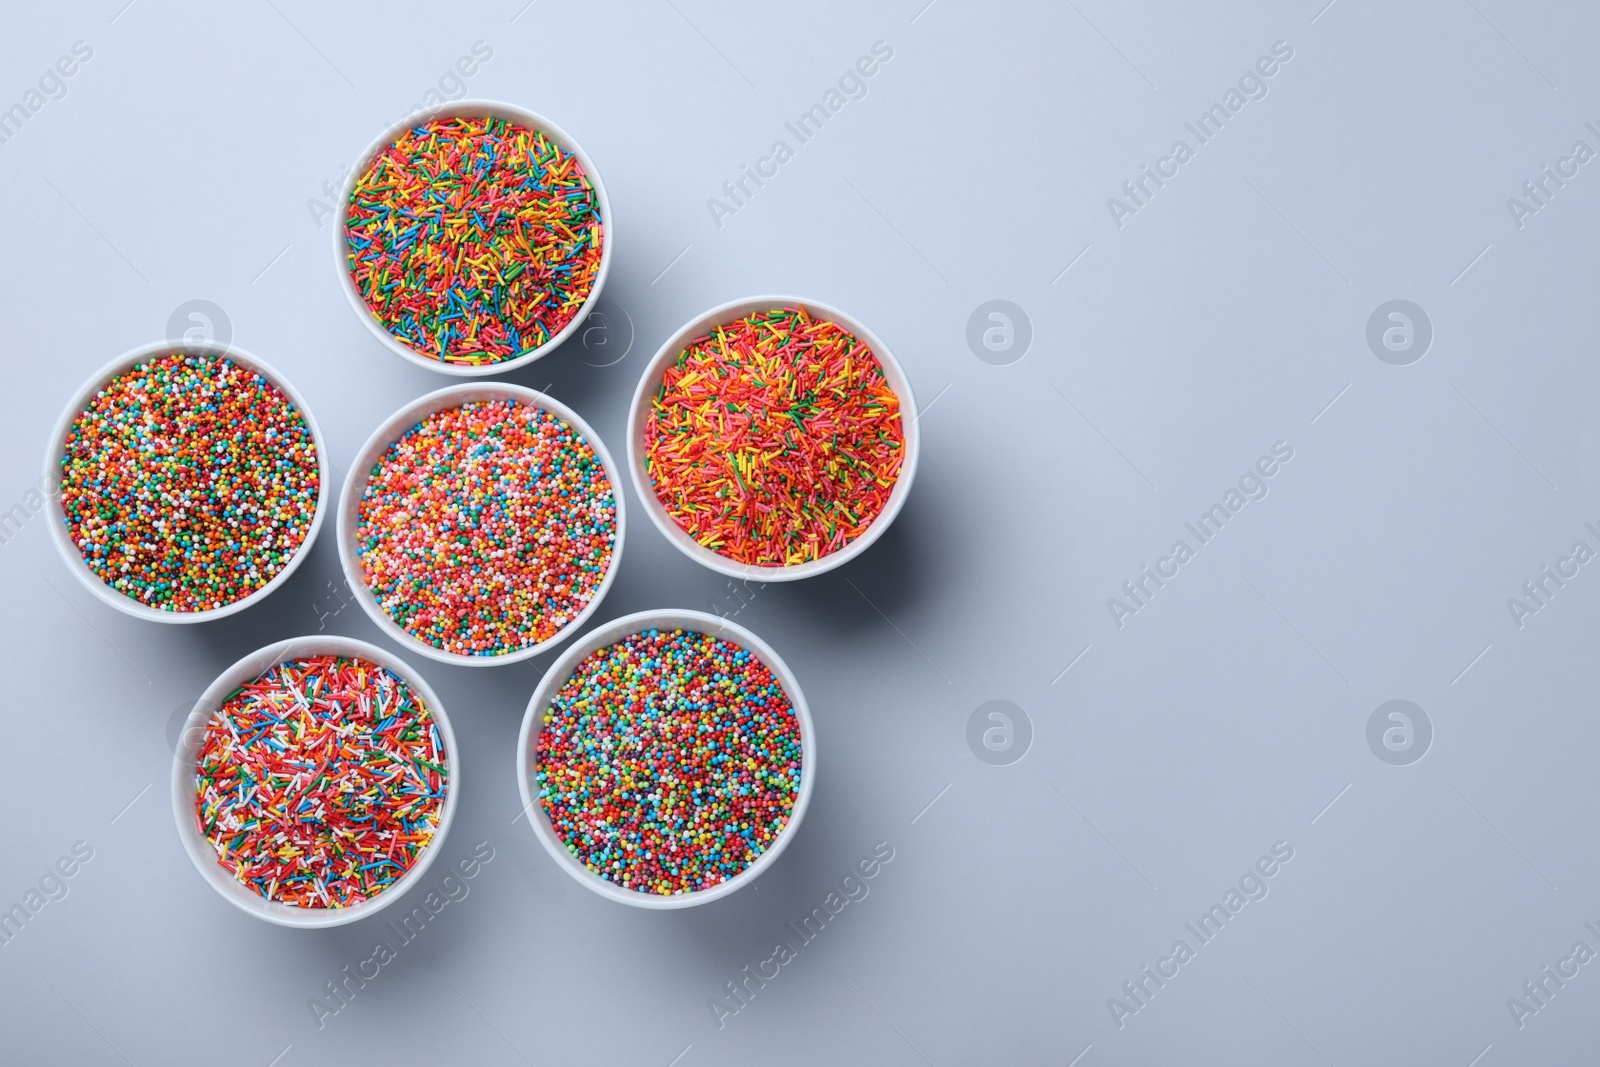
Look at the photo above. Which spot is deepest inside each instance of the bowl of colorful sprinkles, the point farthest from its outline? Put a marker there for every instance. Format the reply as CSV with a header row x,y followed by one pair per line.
x,y
316,781
666,758
773,438
189,482
474,238
481,524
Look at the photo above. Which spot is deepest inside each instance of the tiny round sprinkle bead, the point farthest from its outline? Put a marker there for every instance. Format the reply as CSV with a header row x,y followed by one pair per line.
x,y
774,440
474,240
321,782
487,528
188,482
669,761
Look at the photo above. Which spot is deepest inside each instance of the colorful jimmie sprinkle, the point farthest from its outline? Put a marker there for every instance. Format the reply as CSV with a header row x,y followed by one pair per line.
x,y
321,782
188,482
669,761
775,439
474,240
487,527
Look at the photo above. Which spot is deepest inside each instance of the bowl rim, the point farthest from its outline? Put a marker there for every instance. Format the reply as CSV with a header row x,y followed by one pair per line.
x,y
638,411
557,675
389,431
191,737
58,446
455,109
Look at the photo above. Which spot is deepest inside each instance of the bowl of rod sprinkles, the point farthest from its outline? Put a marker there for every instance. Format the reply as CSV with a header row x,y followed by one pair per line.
x,y
481,524
315,781
773,438
473,238
188,481
666,758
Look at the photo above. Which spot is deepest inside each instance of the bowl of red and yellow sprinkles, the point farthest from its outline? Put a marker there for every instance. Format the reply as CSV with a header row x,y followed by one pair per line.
x,y
315,782
481,524
666,758
190,482
773,438
473,239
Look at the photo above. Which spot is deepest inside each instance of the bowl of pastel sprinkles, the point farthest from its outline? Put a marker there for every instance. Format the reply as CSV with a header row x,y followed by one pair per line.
x,y
315,781
773,438
666,758
189,482
481,524
473,239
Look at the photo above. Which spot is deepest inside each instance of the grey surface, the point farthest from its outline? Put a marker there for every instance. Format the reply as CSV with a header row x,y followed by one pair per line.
x,y
1228,714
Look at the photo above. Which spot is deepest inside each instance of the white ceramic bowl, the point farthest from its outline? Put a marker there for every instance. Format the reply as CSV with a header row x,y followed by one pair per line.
x,y
58,447
391,431
192,738
556,677
471,109
651,381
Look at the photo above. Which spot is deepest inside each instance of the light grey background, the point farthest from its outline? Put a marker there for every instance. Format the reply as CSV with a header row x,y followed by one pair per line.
x,y
1228,714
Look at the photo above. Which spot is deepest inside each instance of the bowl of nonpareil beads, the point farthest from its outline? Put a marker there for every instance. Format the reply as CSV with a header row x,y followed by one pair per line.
x,y
190,482
481,524
666,759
